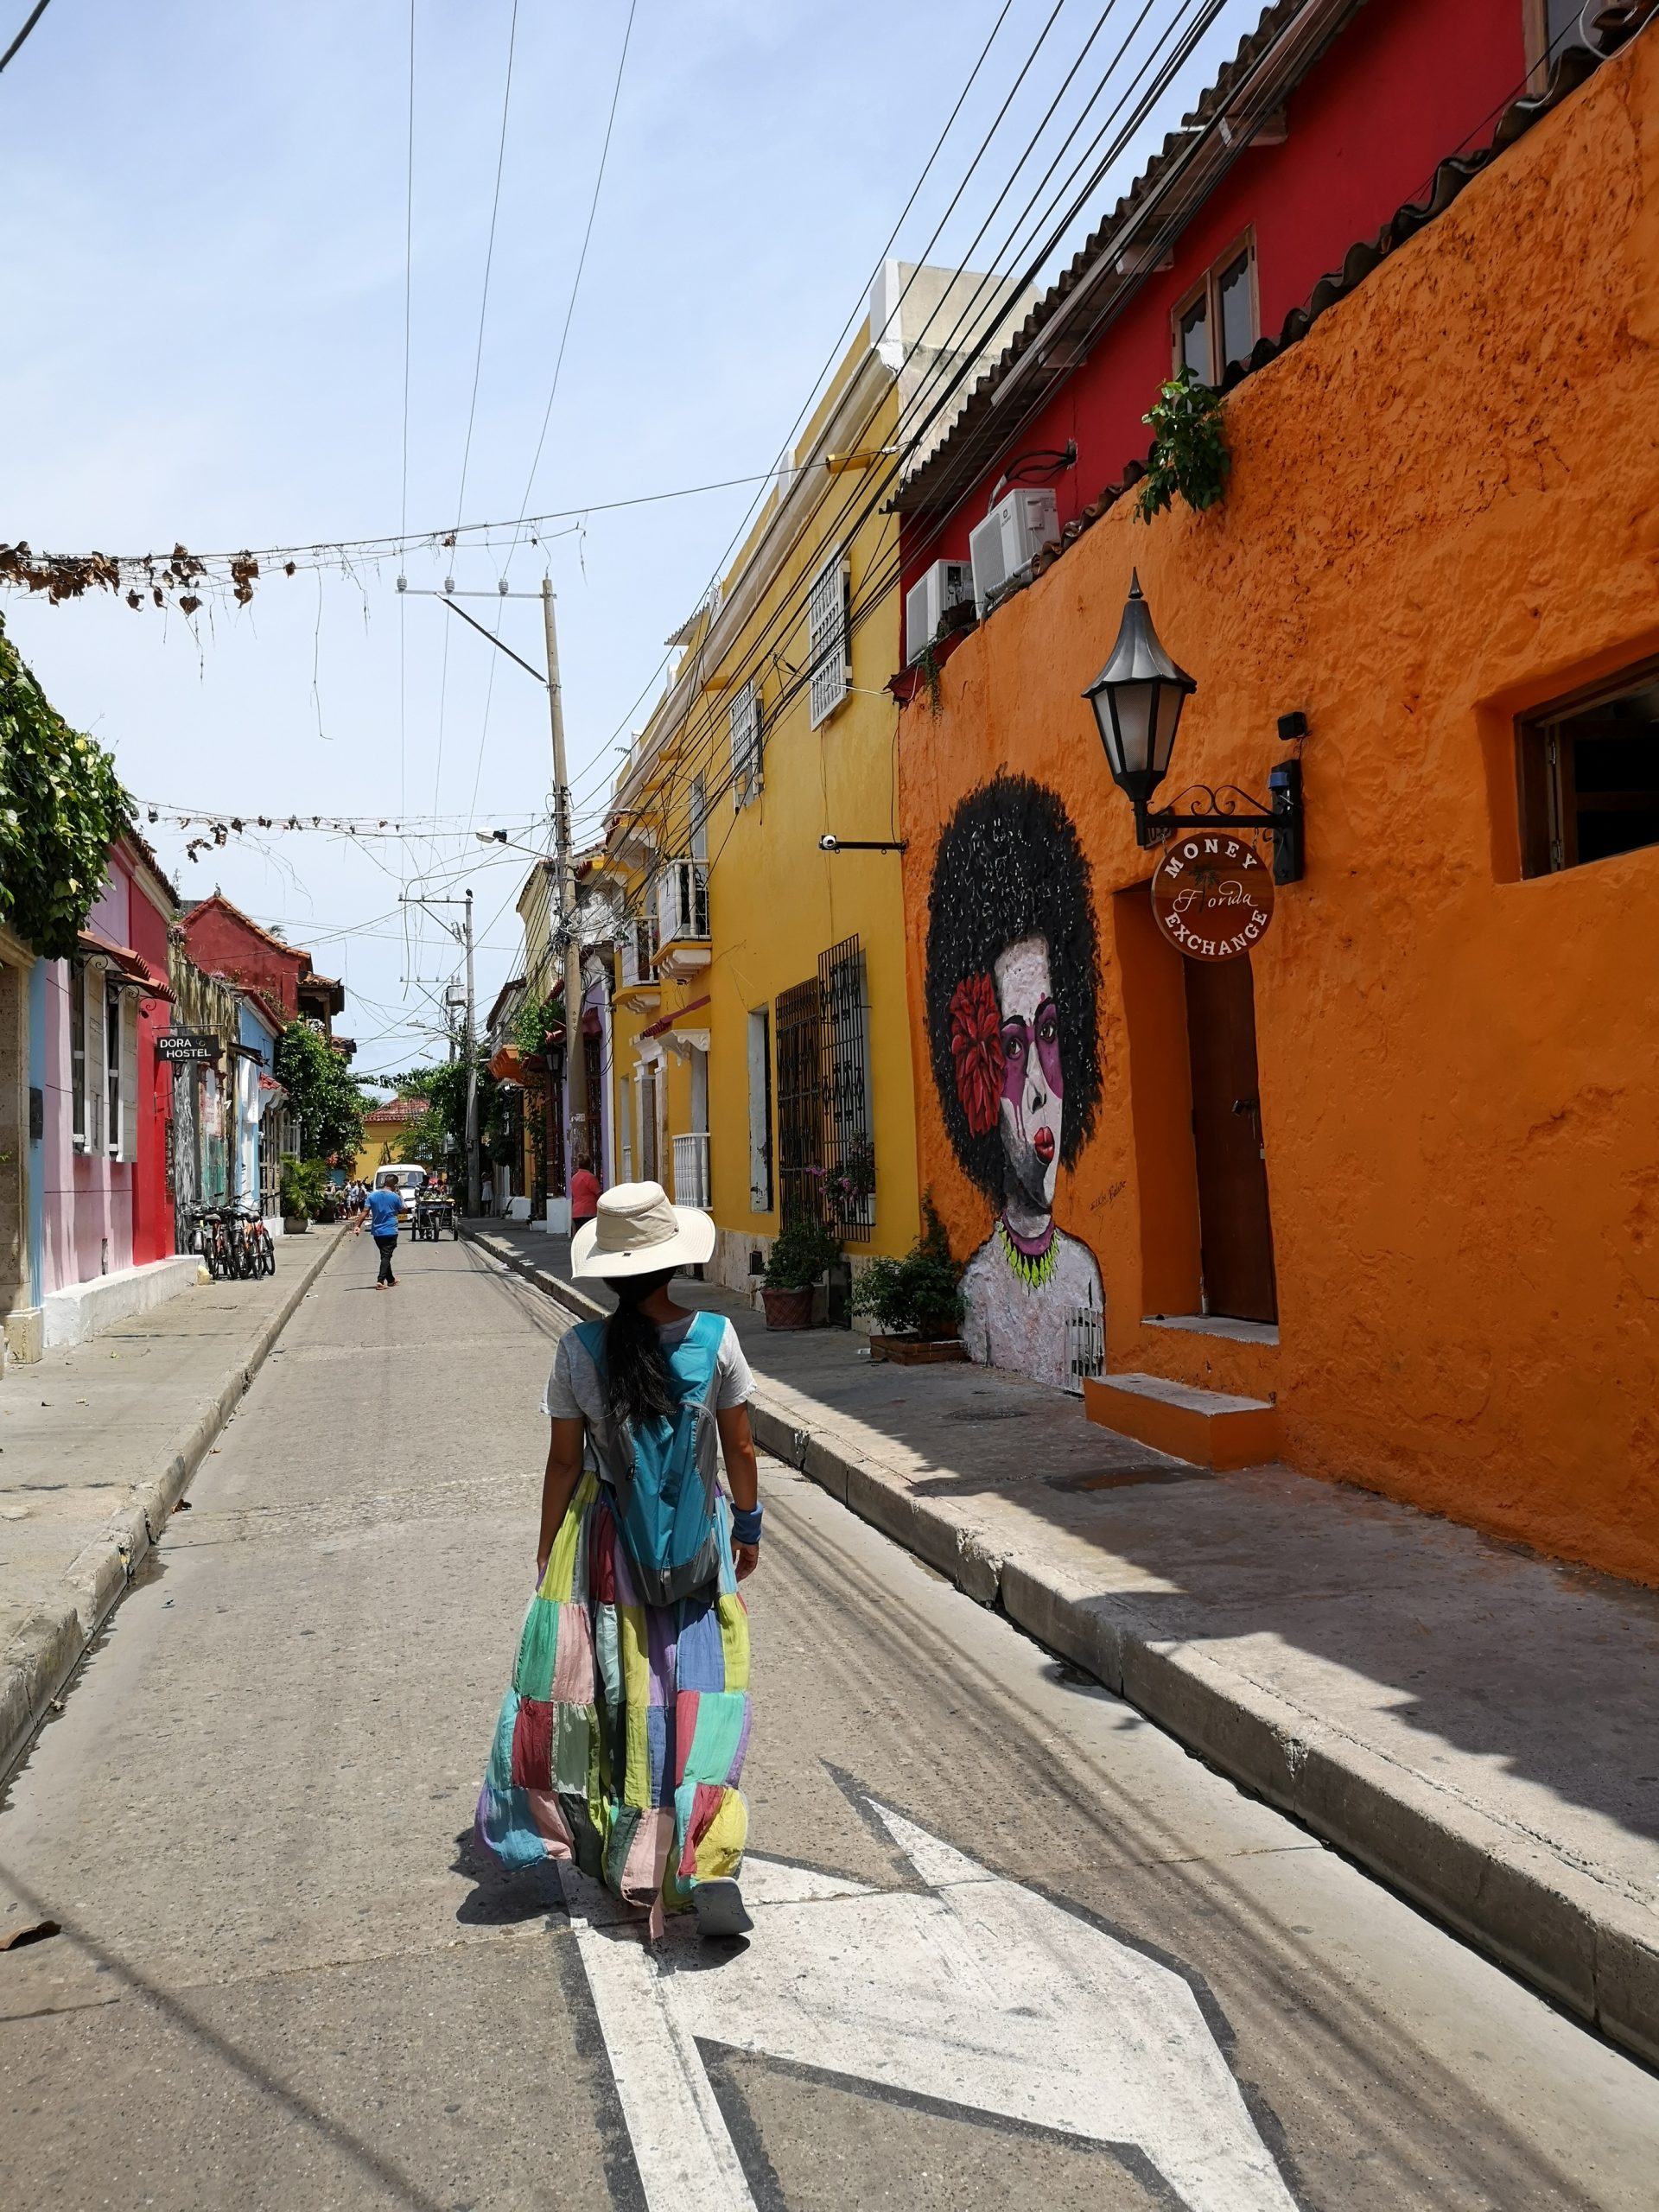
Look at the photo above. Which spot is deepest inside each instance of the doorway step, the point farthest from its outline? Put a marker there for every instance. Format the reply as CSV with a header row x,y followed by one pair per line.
x,y
1210,1428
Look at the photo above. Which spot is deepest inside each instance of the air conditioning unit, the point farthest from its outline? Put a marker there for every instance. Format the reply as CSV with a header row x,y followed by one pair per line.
x,y
947,583
1004,546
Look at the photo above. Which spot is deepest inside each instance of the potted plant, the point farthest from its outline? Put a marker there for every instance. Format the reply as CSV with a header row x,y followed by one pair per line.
x,y
802,1252
301,1198
916,1302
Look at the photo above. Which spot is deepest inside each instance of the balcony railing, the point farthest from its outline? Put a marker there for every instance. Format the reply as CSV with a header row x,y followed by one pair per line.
x,y
691,1184
680,907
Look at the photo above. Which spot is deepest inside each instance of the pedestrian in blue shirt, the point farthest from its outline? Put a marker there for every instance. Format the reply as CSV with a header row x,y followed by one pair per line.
x,y
381,1215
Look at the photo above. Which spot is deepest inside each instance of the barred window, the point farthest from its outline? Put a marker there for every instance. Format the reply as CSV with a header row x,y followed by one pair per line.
x,y
829,624
848,1155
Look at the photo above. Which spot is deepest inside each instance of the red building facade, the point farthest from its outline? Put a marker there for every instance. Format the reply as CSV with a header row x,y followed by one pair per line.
x,y
1331,117
222,940
152,1201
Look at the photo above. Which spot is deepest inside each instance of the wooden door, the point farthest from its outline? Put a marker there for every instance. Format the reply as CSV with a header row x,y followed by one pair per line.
x,y
1235,1227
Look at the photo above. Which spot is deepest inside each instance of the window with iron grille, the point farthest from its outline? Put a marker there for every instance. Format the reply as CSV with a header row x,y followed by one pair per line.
x,y
848,1155
746,746
829,626
799,1102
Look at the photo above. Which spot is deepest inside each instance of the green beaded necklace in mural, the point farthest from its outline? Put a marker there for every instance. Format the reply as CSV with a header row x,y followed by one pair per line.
x,y
1034,1268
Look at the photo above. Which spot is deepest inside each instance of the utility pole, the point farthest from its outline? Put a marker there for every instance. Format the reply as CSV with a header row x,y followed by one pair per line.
x,y
472,1070
463,932
575,1056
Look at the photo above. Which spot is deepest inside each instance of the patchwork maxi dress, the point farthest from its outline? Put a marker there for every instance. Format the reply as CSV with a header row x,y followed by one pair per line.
x,y
621,1742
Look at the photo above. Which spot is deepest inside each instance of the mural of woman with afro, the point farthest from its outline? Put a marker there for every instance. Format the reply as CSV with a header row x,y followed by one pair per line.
x,y
1013,990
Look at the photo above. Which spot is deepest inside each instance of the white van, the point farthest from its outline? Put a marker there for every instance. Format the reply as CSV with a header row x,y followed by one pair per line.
x,y
406,1181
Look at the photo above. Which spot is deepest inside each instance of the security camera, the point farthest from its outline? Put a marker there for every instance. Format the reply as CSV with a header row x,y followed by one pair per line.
x,y
829,844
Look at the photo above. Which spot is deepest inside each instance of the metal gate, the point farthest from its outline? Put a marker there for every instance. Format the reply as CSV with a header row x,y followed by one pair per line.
x,y
186,1159
800,1103
848,1155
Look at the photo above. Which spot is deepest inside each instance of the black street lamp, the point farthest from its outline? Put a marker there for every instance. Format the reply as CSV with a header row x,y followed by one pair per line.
x,y
1137,698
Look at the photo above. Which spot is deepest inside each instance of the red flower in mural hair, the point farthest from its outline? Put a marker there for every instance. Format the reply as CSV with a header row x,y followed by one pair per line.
x,y
976,1048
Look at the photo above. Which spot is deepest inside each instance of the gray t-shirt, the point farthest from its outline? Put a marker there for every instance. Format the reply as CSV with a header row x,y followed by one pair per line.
x,y
573,1392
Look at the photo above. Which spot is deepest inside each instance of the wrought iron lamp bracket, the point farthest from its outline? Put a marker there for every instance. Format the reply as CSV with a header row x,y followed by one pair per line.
x,y
1280,820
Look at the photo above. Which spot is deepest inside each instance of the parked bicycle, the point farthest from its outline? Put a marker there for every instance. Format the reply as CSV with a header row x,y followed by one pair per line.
x,y
256,1253
233,1241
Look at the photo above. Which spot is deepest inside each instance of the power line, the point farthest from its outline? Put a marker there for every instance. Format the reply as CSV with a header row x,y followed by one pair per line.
x,y
403,512
489,260
36,13
582,259
478,365
760,550
692,758
784,467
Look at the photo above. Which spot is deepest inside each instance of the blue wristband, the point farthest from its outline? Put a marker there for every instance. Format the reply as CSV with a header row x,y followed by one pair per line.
x,y
746,1527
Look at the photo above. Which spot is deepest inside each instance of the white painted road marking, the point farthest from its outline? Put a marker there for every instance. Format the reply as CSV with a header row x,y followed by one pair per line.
x,y
976,1992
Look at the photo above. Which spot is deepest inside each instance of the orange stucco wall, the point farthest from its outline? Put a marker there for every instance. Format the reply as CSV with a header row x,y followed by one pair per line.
x,y
1444,508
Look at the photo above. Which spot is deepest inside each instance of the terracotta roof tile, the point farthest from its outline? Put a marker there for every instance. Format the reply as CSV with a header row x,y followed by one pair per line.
x,y
962,456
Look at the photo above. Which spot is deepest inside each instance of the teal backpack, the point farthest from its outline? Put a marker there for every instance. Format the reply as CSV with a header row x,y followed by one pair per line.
x,y
662,1472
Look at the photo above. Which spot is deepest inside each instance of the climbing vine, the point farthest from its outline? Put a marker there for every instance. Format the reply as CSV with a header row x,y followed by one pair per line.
x,y
1189,454
61,807
322,1090
537,1020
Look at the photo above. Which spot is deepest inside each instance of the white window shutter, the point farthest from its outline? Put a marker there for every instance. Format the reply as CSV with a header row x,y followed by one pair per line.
x,y
128,1076
830,639
697,813
746,746
97,1067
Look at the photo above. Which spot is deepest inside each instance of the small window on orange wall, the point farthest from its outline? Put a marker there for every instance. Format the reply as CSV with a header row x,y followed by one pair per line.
x,y
1589,769
1216,324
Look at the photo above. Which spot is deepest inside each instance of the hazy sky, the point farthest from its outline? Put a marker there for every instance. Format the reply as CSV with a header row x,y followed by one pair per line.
x,y
202,233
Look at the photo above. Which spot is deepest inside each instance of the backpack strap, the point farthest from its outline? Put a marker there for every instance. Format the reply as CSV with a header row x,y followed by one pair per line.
x,y
694,1361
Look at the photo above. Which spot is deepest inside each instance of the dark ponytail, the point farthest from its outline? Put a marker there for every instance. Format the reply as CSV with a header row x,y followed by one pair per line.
x,y
637,1388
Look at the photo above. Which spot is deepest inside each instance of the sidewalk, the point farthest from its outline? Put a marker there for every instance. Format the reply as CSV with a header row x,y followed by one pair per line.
x,y
98,1443
1478,1725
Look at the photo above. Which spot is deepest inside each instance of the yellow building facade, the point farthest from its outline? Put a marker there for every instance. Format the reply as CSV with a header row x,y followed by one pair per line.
x,y
761,1056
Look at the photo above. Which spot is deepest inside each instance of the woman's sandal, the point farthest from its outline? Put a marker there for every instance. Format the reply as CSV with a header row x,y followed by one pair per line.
x,y
720,1909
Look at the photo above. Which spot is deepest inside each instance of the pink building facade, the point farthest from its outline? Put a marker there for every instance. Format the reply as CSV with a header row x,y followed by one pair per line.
x,y
105,1205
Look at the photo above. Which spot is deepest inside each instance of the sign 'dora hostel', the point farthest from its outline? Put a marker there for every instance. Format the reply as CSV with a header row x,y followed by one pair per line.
x,y
1212,894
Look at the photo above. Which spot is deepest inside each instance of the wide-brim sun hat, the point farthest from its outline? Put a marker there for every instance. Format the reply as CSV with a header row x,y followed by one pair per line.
x,y
638,1230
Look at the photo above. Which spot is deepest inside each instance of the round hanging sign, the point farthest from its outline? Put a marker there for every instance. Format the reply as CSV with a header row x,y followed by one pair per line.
x,y
1212,894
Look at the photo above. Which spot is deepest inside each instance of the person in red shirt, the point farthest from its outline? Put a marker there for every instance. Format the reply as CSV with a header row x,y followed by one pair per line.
x,y
584,1195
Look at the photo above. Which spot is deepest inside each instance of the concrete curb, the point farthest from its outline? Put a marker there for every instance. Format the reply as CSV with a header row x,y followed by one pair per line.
x,y
47,1649
1591,1948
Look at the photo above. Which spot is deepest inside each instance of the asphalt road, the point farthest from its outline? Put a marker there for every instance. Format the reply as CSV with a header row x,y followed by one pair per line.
x,y
1014,1948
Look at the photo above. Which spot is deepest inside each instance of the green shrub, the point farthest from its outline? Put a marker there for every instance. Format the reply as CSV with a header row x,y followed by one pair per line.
x,y
803,1249
61,807
303,1183
921,1294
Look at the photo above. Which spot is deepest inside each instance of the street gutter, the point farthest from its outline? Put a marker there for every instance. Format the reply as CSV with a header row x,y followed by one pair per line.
x,y
40,1658
1585,1945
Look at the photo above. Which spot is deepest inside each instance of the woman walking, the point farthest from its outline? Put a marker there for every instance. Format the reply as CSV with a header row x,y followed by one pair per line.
x,y
621,1742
